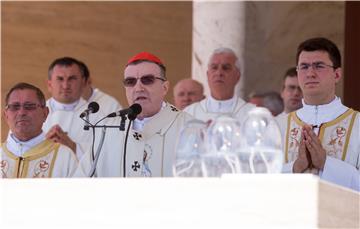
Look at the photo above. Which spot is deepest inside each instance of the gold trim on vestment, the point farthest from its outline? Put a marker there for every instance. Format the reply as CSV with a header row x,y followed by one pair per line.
x,y
23,162
56,150
334,122
300,123
322,128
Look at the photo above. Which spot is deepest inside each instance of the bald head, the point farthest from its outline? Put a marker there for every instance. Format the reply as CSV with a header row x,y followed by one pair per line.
x,y
186,92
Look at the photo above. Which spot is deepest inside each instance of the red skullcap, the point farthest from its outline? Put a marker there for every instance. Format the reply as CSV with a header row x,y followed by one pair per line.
x,y
145,56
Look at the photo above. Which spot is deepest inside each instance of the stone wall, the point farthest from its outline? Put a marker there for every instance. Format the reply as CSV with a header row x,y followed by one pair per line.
x,y
102,34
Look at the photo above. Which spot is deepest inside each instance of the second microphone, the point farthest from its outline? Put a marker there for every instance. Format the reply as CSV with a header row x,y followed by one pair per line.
x,y
131,112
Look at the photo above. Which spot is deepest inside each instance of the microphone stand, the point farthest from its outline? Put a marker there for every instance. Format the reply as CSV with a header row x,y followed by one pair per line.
x,y
121,127
86,127
95,160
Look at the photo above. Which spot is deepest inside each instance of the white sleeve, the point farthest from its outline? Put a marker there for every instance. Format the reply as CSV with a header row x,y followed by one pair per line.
x,y
288,167
84,166
341,173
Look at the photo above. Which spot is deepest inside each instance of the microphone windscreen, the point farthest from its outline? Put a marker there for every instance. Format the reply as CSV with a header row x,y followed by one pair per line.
x,y
136,108
94,107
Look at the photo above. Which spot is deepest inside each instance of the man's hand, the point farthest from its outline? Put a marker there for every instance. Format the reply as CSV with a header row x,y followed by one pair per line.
x,y
56,134
302,162
313,145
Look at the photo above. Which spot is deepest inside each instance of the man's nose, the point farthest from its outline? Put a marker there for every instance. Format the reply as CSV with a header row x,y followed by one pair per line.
x,y
138,86
219,71
298,91
65,84
187,98
311,72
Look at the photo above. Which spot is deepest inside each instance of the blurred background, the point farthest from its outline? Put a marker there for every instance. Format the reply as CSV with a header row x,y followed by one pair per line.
x,y
105,35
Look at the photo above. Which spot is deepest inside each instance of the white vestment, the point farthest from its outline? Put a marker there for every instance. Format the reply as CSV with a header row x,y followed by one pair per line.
x,y
70,122
40,159
281,120
209,109
150,152
338,129
107,103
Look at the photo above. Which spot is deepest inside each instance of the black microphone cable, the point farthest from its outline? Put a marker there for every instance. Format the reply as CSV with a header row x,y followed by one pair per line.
x,y
125,146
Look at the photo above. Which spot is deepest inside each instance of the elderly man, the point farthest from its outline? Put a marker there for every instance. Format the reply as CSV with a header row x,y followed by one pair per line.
x,y
66,81
26,152
323,136
151,143
186,92
223,74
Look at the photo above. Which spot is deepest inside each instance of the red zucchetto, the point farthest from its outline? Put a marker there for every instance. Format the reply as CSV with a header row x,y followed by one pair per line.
x,y
145,56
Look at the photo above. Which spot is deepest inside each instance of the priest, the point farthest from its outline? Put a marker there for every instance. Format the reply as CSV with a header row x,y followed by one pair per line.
x,y
323,136
26,153
223,74
150,149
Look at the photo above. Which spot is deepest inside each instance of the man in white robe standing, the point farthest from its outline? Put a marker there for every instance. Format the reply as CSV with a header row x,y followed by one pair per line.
x,y
26,153
186,92
291,94
223,74
323,136
107,103
151,143
66,81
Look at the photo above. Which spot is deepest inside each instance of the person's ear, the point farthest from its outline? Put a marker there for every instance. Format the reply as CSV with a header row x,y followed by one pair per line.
x,y
45,112
49,85
166,86
338,74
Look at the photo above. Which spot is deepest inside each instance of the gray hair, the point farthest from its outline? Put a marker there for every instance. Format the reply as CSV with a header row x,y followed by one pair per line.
x,y
273,101
226,50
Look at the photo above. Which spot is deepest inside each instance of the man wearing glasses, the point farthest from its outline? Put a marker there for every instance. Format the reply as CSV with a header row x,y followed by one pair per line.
x,y
151,143
323,136
26,152
291,94
223,74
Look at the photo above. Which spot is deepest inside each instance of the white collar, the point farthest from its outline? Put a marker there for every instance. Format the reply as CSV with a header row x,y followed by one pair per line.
x,y
223,106
138,125
93,93
56,105
318,114
18,147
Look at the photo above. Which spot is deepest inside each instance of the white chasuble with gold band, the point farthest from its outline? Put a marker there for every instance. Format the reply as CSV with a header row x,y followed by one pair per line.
x,y
334,136
149,153
338,129
47,159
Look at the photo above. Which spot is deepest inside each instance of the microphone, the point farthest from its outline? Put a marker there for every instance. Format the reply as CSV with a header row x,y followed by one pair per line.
x,y
132,112
93,107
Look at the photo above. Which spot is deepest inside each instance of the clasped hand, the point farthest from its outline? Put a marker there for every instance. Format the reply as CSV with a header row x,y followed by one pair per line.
x,y
311,153
56,134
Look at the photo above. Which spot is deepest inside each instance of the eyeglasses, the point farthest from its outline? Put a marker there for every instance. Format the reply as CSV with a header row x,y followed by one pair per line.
x,y
25,106
146,80
316,66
